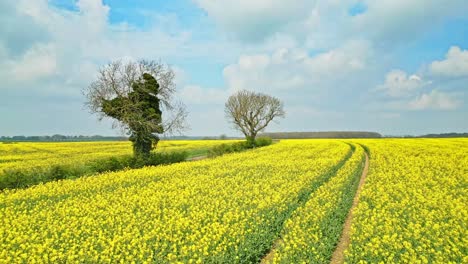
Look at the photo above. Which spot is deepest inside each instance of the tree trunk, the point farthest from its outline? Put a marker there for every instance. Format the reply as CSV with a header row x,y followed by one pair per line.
x,y
251,140
142,146
155,141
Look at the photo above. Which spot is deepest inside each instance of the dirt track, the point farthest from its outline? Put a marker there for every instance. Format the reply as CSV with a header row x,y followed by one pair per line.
x,y
338,254
197,158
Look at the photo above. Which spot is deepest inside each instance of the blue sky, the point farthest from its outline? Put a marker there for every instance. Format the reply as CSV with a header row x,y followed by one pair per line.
x,y
391,66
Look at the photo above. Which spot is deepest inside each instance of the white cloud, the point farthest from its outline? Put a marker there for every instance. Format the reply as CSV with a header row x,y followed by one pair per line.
x,y
412,92
255,20
292,69
454,65
399,84
435,100
350,57
77,43
305,52
95,11
38,62
194,94
302,112
403,19
323,23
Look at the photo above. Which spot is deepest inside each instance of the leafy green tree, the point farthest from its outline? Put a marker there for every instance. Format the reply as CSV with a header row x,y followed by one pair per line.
x,y
140,110
135,96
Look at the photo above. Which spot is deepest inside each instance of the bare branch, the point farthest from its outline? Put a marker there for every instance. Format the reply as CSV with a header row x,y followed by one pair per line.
x,y
115,80
251,112
176,124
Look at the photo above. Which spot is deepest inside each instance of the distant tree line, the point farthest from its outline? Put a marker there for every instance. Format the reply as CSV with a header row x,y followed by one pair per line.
x,y
63,138
59,138
278,135
328,134
441,135
353,134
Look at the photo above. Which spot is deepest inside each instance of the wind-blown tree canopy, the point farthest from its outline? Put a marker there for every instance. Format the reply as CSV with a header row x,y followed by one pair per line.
x,y
135,95
251,112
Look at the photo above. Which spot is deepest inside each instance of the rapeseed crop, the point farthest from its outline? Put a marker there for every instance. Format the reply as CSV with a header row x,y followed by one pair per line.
x,y
226,210
26,155
413,208
312,232
233,208
26,164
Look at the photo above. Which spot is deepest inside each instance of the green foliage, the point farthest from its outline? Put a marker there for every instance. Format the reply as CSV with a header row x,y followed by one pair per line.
x,y
59,172
198,152
14,179
139,110
263,141
228,148
366,149
166,158
110,164
21,178
238,146
250,141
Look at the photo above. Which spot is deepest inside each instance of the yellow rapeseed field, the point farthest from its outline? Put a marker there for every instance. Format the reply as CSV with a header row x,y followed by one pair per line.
x,y
312,232
413,208
294,195
225,210
35,155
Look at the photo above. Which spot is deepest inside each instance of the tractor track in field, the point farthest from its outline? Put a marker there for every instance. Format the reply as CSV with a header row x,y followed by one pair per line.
x,y
338,254
195,158
268,257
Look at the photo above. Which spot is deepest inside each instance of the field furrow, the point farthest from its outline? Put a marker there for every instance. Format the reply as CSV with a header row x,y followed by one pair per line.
x,y
228,209
312,232
284,203
303,198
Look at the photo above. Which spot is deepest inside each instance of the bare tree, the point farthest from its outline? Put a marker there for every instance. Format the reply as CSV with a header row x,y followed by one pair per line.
x,y
135,95
251,112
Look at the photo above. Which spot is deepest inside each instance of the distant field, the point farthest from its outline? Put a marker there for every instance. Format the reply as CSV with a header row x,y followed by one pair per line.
x,y
285,203
36,158
323,134
24,155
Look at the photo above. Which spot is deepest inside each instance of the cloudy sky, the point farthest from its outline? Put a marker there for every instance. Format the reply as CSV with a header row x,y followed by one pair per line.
x,y
390,66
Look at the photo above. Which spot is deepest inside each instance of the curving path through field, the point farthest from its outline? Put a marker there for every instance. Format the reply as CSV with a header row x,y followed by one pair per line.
x,y
338,254
268,257
195,158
